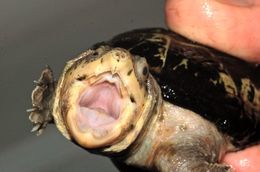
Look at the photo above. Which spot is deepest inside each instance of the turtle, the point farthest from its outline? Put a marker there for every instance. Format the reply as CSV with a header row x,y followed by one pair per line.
x,y
153,99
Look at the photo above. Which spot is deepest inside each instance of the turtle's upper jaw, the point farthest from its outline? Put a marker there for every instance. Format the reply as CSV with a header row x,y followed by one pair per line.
x,y
102,99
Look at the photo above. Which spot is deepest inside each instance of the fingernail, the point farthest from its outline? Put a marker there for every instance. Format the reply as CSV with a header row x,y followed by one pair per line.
x,y
242,3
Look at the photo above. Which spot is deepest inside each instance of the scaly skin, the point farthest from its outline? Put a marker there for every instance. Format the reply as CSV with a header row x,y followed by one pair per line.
x,y
178,140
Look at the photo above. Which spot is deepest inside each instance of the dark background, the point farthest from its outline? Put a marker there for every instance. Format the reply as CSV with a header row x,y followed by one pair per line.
x,y
34,33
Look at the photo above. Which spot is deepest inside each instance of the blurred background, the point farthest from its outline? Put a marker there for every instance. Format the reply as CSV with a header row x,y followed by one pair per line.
x,y
34,33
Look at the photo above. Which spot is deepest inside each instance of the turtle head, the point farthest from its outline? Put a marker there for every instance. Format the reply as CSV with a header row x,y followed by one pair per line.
x,y
103,99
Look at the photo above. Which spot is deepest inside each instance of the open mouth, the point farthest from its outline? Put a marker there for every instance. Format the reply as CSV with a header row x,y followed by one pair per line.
x,y
99,106
100,100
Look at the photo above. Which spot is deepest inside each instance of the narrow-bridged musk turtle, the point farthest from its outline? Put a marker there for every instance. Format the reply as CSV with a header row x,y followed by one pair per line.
x,y
153,99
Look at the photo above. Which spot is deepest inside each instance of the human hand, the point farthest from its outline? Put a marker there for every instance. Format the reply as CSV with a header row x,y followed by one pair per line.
x,y
231,26
244,161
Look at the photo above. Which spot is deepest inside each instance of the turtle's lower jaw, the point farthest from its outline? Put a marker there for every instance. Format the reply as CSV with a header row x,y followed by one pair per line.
x,y
100,111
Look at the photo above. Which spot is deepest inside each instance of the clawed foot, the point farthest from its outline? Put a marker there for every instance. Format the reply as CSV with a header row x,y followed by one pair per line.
x,y
215,167
40,113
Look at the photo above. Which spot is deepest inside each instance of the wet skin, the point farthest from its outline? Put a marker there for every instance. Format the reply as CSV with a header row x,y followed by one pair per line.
x,y
214,23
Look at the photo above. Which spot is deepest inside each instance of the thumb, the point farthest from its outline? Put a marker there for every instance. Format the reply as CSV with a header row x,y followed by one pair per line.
x,y
231,26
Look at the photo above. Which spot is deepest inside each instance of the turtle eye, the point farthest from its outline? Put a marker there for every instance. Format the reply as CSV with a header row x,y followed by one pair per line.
x,y
141,68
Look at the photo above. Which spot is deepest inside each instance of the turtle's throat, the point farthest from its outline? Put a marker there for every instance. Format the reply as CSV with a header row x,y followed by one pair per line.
x,y
99,106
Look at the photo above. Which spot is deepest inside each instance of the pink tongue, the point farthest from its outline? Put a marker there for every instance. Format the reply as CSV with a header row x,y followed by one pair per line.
x,y
99,105
94,118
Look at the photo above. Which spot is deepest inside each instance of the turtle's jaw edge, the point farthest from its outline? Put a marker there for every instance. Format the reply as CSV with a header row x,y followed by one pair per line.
x,y
101,109
100,112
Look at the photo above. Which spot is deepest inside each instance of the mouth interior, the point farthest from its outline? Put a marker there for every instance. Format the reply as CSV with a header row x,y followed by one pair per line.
x,y
99,105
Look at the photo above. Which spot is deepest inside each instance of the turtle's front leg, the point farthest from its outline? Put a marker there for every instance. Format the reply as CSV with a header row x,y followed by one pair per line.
x,y
194,145
189,156
40,113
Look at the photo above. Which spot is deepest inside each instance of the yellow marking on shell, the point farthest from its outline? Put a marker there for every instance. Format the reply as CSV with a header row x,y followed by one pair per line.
x,y
165,40
246,87
184,63
215,82
228,82
160,53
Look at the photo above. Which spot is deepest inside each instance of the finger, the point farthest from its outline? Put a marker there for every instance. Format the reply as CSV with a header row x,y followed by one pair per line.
x,y
231,26
244,161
